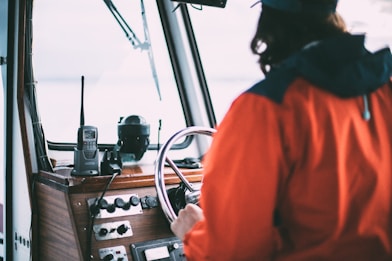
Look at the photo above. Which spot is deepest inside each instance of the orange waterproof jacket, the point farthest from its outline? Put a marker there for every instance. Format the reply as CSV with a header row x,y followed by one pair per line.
x,y
301,165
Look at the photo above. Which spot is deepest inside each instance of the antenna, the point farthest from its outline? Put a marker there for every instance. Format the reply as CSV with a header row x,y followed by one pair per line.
x,y
82,103
86,150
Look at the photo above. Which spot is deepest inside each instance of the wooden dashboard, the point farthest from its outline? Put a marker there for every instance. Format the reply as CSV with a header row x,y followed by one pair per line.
x,y
126,227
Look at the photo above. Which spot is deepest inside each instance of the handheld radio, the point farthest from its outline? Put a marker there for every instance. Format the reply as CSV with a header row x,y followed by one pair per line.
x,y
86,151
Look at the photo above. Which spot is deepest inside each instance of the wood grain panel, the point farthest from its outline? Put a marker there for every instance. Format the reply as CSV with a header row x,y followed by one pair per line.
x,y
57,238
64,217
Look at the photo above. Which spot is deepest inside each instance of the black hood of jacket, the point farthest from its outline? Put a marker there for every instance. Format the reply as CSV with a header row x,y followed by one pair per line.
x,y
341,65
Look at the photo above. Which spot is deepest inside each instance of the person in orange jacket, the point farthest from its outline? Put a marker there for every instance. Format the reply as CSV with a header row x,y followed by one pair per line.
x,y
301,165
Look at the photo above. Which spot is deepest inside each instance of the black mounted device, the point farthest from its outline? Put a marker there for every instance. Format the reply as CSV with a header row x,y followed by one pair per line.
x,y
133,137
86,151
215,3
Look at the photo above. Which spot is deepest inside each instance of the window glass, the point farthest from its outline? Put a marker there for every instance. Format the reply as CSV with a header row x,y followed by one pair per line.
x,y
373,17
74,38
224,37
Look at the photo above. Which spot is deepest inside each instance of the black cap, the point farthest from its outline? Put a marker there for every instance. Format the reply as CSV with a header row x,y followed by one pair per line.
x,y
303,6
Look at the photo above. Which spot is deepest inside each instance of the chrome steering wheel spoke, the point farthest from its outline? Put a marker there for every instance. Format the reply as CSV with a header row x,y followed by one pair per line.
x,y
160,165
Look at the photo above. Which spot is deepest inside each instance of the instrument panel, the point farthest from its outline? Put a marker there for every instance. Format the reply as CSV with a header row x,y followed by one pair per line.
x,y
78,220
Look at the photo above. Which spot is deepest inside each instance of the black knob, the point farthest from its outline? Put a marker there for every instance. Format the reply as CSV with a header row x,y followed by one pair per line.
x,y
120,203
103,232
122,229
151,202
108,257
111,208
134,200
103,204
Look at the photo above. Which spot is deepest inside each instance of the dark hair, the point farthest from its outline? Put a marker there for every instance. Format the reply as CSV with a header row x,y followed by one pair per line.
x,y
284,33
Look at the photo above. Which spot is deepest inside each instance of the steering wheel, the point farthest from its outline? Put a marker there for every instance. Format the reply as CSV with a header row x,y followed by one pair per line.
x,y
160,185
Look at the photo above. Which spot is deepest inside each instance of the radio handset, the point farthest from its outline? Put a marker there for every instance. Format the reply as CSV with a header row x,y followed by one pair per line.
x,y
86,151
87,141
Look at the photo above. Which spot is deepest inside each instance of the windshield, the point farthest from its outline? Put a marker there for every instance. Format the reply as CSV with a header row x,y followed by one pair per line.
x,y
123,74
224,37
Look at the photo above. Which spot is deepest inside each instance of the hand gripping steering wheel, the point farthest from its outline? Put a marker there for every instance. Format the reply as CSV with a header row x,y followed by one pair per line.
x,y
160,164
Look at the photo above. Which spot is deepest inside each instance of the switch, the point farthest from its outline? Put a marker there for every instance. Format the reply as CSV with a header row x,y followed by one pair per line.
x,y
173,247
151,202
103,232
108,257
122,229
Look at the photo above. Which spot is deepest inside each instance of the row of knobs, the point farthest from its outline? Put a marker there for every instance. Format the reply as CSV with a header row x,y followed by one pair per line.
x,y
119,203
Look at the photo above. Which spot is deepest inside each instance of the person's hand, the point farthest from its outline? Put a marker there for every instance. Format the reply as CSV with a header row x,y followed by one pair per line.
x,y
187,217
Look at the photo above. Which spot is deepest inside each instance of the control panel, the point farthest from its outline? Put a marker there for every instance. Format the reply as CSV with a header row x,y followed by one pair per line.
x,y
122,223
116,215
113,253
113,230
115,206
161,249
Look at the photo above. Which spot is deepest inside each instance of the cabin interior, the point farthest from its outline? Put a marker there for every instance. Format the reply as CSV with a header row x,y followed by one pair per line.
x,y
108,108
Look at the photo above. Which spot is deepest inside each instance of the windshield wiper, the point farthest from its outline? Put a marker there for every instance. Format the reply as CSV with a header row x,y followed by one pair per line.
x,y
135,41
